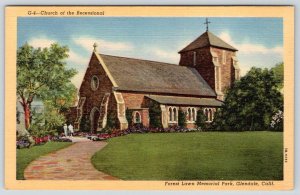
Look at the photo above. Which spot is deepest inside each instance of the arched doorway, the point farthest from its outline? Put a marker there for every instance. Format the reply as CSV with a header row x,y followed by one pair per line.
x,y
94,118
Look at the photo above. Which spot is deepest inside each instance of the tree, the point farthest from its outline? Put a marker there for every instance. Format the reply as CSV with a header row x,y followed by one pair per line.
x,y
42,73
251,103
129,117
47,122
278,72
155,115
181,118
111,120
200,120
85,124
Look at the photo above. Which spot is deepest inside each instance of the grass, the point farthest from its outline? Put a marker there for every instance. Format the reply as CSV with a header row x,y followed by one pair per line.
x,y
194,156
25,156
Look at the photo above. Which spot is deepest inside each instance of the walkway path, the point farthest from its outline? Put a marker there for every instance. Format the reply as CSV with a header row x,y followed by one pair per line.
x,y
71,163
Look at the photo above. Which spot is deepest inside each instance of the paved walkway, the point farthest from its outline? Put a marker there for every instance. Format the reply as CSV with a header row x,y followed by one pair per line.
x,y
71,163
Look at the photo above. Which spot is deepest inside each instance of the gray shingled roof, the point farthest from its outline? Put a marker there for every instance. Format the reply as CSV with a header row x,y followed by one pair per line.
x,y
174,100
207,39
156,77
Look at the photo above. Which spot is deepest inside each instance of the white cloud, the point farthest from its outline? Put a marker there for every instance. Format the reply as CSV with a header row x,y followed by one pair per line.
x,y
75,58
103,45
164,55
40,42
77,79
250,47
251,54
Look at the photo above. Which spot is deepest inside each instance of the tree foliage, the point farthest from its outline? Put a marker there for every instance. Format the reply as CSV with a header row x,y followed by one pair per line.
x,y
129,117
85,124
251,102
200,120
155,115
47,122
111,120
278,71
181,118
42,73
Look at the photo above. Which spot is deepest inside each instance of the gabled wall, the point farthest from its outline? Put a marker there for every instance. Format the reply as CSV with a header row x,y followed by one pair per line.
x,y
94,98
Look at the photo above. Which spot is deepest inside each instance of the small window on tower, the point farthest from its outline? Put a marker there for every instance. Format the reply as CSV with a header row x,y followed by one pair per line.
x,y
224,57
195,57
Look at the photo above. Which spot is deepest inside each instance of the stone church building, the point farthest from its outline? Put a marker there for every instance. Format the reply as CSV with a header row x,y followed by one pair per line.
x,y
113,84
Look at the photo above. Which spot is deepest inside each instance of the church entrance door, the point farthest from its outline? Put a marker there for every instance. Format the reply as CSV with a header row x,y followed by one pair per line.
x,y
94,117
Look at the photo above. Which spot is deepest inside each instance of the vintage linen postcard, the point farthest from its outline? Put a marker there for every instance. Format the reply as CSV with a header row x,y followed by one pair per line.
x,y
149,97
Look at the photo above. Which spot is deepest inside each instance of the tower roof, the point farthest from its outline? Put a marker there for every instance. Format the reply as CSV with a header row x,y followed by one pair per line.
x,y
207,39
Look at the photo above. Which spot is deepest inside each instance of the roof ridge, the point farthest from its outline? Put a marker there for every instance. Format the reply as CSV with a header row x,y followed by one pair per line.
x,y
207,39
215,36
165,63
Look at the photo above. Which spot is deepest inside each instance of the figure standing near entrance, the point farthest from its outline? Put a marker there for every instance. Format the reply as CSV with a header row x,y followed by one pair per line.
x,y
71,130
65,130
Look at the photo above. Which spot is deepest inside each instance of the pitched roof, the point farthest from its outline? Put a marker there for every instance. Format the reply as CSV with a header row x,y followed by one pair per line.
x,y
207,39
193,101
155,77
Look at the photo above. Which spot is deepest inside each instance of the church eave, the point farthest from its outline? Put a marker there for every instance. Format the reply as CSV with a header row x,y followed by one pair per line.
x,y
210,45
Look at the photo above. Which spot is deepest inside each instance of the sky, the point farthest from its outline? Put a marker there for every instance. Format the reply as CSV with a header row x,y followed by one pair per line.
x,y
259,40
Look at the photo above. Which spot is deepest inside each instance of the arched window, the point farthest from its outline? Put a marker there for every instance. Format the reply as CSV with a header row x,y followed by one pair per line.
x,y
94,83
137,117
175,114
206,114
189,114
209,115
170,114
193,114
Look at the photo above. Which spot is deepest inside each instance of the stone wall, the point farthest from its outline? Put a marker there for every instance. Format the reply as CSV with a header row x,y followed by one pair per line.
x,y
203,63
227,69
206,68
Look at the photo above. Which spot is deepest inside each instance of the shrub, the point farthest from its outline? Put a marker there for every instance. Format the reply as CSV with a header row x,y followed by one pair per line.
x,y
277,121
200,120
129,117
111,120
85,124
181,118
155,115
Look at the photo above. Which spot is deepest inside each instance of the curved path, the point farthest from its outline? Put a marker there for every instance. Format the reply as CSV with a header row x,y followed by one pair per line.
x,y
71,163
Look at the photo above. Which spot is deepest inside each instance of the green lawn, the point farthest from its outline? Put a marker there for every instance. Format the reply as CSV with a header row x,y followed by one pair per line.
x,y
25,156
194,156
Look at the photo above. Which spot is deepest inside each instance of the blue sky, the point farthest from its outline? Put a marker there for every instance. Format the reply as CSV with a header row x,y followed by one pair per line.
x,y
259,40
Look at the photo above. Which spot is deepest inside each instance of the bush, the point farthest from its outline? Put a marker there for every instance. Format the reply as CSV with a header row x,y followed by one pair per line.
x,y
111,120
155,115
181,118
277,121
251,102
129,117
200,120
85,124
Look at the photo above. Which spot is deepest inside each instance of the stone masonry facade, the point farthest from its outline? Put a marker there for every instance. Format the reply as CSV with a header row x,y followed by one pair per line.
x,y
99,96
202,60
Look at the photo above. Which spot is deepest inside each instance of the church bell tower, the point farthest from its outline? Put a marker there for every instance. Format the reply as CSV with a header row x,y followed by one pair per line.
x,y
214,59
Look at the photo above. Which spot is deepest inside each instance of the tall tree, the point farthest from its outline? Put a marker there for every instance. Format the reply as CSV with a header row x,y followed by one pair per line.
x,y
181,118
155,115
42,73
251,102
200,120
278,70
